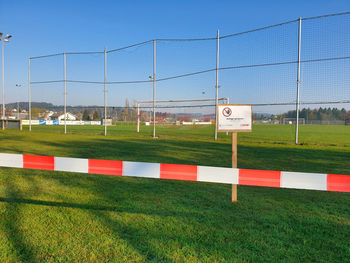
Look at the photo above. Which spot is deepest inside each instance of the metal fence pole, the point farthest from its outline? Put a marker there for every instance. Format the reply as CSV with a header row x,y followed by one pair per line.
x,y
65,91
217,84
29,98
154,88
105,91
298,85
19,90
3,86
138,118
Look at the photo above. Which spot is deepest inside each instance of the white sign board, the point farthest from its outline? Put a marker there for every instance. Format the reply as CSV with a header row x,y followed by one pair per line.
x,y
234,118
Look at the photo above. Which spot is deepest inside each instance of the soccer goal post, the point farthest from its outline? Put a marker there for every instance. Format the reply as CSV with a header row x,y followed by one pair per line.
x,y
145,108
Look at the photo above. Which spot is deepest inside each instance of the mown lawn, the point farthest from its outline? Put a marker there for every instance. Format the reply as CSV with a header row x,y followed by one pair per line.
x,y
308,134
64,217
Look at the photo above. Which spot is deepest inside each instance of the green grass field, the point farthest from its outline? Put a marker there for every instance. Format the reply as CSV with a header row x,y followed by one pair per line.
x,y
309,134
65,217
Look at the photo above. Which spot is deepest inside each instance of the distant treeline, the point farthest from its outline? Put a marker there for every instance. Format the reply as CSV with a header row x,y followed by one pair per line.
x,y
321,114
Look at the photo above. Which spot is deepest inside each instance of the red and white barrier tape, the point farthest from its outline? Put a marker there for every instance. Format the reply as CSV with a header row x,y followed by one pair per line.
x,y
312,181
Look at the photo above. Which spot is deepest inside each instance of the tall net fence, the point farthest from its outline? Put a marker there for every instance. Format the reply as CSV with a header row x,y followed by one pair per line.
x,y
47,98
259,67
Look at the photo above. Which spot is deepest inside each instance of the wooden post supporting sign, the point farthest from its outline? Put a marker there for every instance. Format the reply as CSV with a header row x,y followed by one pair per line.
x,y
234,118
234,163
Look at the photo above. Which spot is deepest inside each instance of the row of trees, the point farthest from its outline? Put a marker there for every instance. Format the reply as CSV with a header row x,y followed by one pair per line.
x,y
90,117
128,113
321,114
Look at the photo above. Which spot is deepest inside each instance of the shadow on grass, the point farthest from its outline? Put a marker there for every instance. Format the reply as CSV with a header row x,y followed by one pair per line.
x,y
171,151
12,219
162,216
165,220
296,159
117,209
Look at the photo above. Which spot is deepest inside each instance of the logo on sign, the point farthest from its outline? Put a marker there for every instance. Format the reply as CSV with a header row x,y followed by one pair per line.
x,y
227,112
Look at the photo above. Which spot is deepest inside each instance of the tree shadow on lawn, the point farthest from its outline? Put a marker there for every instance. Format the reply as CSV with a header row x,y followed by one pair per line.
x,y
120,195
146,150
159,218
297,159
119,209
5,137
162,219
11,225
200,223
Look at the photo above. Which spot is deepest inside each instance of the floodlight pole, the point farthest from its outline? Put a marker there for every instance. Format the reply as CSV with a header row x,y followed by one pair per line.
x,y
29,98
105,91
154,88
65,91
138,118
298,85
217,84
3,39
3,86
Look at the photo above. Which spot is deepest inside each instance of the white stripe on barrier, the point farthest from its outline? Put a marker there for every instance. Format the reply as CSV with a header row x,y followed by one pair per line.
x,y
71,165
311,181
11,160
138,169
217,175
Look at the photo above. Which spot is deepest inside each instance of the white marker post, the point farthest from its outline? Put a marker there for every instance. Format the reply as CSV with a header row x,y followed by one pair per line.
x,y
234,118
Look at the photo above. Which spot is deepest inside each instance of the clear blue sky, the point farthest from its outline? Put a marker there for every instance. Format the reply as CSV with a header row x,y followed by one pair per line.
x,y
44,27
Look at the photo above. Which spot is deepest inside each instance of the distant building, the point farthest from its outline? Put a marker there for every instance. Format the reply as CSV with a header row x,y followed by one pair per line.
x,y
69,117
60,117
47,115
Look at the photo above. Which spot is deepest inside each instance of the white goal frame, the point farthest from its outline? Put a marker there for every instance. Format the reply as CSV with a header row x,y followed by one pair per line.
x,y
138,103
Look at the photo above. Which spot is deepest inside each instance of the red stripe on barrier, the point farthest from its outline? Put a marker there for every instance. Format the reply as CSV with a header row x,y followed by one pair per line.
x,y
105,167
178,172
38,162
259,178
338,183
